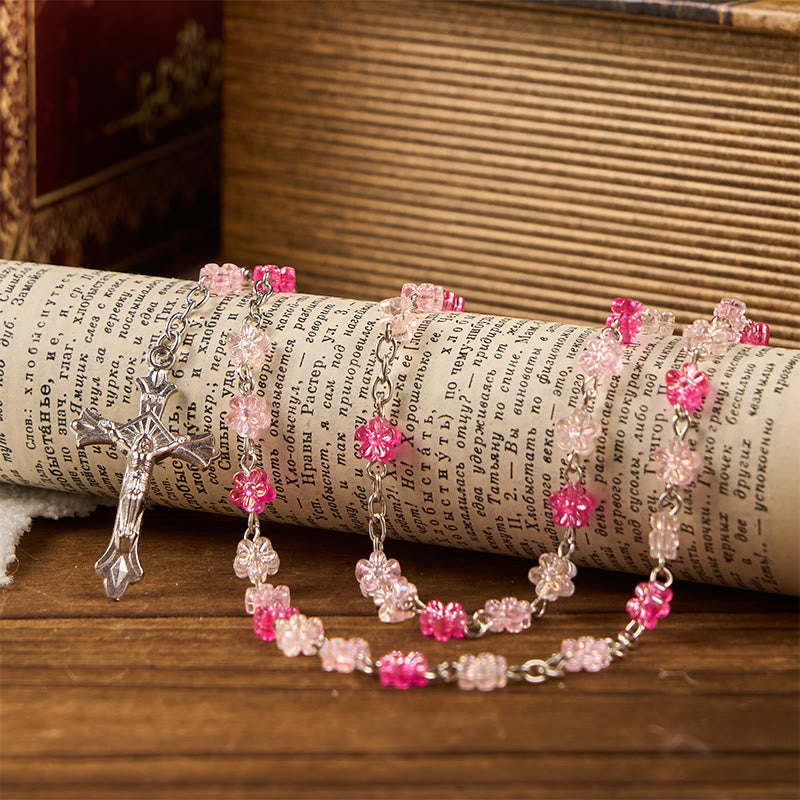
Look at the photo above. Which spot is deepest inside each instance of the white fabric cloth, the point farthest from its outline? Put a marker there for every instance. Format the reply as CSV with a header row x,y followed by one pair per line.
x,y
19,505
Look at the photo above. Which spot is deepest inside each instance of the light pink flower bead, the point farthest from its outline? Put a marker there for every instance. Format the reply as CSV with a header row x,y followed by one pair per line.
x,y
577,432
249,415
403,670
298,634
443,622
734,313
664,529
677,464
585,653
687,387
508,614
255,559
553,577
394,598
266,595
626,314
379,440
264,618
706,338
343,655
650,604
572,505
483,672
429,297
248,347
220,280
282,279
602,358
252,490
373,571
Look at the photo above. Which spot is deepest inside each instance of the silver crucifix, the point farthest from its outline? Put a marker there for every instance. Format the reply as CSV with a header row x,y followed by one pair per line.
x,y
145,441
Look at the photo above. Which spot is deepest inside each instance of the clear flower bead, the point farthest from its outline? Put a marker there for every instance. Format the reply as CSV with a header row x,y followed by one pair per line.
x,y
483,672
657,323
664,528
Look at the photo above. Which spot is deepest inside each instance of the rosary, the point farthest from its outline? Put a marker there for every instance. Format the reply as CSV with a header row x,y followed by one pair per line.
x,y
397,599
145,441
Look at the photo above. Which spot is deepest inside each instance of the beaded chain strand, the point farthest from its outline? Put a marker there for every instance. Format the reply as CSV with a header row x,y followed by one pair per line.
x,y
249,419
381,579
677,465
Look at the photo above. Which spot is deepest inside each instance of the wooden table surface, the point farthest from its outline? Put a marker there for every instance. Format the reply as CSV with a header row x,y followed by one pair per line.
x,y
168,693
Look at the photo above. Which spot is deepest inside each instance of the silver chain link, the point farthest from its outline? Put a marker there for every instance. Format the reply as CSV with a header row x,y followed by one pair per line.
x,y
162,354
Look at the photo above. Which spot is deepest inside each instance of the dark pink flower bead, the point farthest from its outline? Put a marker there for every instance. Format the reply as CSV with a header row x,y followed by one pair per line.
x,y
687,387
379,440
252,490
403,670
756,333
281,278
627,316
452,302
572,505
650,603
442,621
264,619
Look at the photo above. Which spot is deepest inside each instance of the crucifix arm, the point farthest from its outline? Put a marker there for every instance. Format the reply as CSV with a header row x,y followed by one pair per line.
x,y
198,450
91,428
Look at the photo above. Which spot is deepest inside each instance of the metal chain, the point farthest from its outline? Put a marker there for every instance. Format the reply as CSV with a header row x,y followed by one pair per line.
x,y
162,354
382,390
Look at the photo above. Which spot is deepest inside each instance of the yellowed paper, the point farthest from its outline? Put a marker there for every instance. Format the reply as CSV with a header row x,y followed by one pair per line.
x,y
476,395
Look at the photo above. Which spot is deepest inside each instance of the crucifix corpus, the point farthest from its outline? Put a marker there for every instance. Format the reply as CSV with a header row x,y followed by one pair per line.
x,y
145,441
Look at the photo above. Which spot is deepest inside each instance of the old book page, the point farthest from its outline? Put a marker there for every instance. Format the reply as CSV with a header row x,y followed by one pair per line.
x,y
476,395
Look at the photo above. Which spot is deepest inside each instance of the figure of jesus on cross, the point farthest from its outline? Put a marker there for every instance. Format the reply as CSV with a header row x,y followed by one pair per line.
x,y
145,441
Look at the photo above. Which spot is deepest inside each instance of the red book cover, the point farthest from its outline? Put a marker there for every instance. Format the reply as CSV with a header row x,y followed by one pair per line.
x,y
109,133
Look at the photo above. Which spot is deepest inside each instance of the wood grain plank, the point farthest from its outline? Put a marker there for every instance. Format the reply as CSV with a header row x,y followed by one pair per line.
x,y
502,147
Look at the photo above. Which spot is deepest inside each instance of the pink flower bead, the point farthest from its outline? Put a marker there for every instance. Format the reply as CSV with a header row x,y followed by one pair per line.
x,y
508,614
252,490
379,440
577,432
553,577
626,314
677,464
664,529
249,415
687,387
403,670
572,505
373,571
266,595
650,604
483,672
264,618
452,302
733,312
756,333
282,279
586,653
343,655
428,296
602,358
247,347
220,280
442,621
